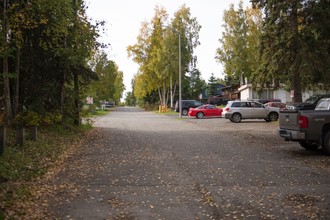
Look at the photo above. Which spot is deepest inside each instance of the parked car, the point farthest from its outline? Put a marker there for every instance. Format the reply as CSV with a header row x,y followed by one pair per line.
x,y
323,104
105,104
205,111
237,110
309,104
279,105
186,105
264,101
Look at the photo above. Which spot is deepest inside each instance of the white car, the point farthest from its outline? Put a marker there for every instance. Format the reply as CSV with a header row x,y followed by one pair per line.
x,y
237,110
323,104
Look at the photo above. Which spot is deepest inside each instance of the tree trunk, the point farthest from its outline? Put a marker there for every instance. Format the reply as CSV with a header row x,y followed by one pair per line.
x,y
76,110
17,70
173,90
167,97
8,115
296,61
160,95
62,95
171,93
164,94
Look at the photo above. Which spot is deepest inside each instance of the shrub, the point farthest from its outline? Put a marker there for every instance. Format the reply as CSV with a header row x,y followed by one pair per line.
x,y
27,119
33,119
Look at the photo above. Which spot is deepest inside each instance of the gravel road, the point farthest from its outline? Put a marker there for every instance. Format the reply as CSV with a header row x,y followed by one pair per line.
x,y
142,165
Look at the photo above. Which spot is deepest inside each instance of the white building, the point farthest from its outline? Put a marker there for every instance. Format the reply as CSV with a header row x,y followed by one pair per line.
x,y
247,92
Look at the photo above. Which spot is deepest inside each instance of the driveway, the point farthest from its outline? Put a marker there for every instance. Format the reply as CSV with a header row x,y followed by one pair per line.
x,y
142,165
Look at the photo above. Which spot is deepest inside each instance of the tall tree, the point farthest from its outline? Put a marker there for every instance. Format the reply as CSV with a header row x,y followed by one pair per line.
x,y
130,99
188,28
156,52
109,86
5,50
148,54
50,43
254,30
295,44
281,46
212,85
196,84
234,52
316,44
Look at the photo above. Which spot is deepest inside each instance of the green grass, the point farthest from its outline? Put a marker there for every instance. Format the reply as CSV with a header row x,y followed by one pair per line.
x,y
21,164
100,112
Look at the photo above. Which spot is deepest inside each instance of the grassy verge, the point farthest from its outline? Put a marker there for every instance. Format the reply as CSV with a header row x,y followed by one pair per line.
x,y
21,165
100,112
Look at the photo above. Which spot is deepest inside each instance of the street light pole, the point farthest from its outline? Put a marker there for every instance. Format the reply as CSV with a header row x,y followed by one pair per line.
x,y
180,89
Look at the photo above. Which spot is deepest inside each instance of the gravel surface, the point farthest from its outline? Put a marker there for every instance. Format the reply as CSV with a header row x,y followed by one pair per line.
x,y
142,165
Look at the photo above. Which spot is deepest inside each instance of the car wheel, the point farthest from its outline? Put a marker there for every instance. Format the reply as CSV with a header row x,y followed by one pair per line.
x,y
200,115
184,112
273,116
326,143
308,145
236,118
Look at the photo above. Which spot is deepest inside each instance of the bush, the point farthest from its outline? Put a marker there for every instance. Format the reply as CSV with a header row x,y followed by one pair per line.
x,y
34,119
150,107
27,119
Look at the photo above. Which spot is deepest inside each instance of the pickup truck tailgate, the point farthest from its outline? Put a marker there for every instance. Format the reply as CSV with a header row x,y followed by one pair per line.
x,y
289,120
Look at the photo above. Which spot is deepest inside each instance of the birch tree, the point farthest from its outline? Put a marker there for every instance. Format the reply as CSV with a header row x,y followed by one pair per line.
x,y
156,52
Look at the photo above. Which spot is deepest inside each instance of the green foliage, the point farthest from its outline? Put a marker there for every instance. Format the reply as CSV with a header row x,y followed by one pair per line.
x,y
156,53
239,43
212,86
34,119
53,41
130,99
295,44
49,119
196,85
109,86
27,119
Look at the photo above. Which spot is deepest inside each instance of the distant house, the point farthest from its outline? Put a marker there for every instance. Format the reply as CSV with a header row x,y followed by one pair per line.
x,y
247,91
219,89
231,92
205,93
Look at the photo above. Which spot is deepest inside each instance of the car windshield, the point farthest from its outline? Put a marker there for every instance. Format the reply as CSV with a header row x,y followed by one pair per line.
x,y
323,105
311,99
199,107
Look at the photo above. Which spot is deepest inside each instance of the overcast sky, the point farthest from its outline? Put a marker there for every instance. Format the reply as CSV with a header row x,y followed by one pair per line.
x,y
123,21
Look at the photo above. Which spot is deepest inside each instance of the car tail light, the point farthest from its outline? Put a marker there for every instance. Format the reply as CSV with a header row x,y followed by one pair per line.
x,y
303,122
226,109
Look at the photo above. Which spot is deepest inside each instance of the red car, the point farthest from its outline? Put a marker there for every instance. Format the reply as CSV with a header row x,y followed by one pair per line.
x,y
205,111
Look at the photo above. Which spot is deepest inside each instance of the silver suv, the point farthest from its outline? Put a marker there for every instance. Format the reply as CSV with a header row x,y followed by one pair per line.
x,y
237,110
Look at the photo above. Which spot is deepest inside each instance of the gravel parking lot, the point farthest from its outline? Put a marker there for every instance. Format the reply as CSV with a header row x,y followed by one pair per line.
x,y
142,165
252,128
221,124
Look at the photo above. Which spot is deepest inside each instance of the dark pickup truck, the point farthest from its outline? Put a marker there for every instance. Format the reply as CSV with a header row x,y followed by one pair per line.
x,y
309,104
311,128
